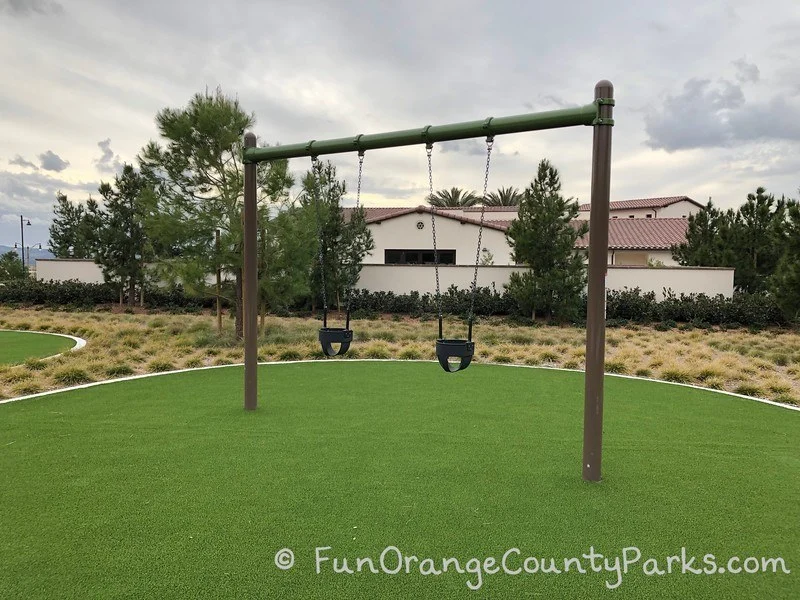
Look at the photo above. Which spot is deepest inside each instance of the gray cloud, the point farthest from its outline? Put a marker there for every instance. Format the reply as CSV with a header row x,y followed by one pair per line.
x,y
706,115
21,162
33,195
25,8
50,161
468,147
108,161
746,72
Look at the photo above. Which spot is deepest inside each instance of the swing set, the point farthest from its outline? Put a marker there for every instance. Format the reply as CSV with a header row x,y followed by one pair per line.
x,y
598,114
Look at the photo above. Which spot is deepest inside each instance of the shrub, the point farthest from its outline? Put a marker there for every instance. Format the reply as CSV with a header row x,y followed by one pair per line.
x,y
676,375
377,350
410,353
119,370
616,366
748,389
72,376
34,364
16,375
160,365
290,354
27,387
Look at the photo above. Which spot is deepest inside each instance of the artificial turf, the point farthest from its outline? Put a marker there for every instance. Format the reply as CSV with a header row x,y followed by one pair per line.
x,y
18,346
165,488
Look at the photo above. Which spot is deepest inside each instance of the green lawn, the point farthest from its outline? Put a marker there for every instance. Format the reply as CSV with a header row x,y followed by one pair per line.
x,y
17,346
165,488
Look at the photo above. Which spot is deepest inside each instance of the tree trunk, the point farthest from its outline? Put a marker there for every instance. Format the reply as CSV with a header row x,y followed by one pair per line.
x,y
121,293
141,295
219,286
263,318
131,292
239,311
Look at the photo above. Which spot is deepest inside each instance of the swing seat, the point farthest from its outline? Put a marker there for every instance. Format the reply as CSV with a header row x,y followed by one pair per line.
x,y
447,349
335,335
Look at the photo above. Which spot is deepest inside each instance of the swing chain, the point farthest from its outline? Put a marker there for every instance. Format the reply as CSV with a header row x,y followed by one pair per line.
x,y
489,145
429,152
354,274
316,165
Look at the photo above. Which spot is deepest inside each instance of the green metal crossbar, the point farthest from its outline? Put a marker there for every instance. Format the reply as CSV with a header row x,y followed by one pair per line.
x,y
568,117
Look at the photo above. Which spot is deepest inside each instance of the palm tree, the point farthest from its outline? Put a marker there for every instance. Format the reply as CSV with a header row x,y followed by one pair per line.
x,y
509,196
453,198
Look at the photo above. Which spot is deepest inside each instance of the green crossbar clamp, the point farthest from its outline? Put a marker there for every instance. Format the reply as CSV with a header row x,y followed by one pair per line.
x,y
603,102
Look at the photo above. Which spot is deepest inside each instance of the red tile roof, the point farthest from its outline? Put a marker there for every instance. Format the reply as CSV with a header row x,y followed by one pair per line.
x,y
641,234
623,234
376,215
645,203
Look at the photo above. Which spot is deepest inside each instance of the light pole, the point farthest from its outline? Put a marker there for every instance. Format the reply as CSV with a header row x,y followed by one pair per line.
x,y
22,225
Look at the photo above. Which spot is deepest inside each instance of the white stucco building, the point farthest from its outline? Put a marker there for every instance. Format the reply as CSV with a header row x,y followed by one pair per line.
x,y
641,233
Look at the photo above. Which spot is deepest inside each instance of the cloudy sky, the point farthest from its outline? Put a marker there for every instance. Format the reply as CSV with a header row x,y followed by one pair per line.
x,y
707,91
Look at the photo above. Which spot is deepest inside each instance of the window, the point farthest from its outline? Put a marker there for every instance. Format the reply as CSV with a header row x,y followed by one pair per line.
x,y
649,215
631,216
419,257
615,217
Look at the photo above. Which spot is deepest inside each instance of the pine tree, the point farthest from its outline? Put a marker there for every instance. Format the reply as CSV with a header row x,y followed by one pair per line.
x,y
72,233
11,266
785,283
122,242
344,245
543,238
750,239
706,236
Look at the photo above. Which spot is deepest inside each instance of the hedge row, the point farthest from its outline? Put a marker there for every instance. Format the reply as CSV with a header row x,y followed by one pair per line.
x,y
75,293
744,309
454,301
626,305
622,306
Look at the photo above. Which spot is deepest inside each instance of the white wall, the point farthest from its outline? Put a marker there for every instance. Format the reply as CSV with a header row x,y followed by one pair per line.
x,y
676,210
711,281
65,269
640,257
402,233
402,279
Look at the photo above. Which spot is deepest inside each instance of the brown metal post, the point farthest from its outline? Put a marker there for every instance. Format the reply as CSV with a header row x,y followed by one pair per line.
x,y
598,261
219,285
250,300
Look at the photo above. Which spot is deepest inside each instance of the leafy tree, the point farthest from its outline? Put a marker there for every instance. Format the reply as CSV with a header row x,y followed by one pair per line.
x,y
344,245
356,243
11,267
504,196
785,282
289,250
73,228
121,238
200,185
453,198
543,238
